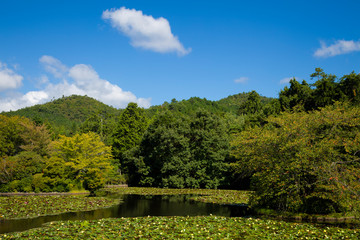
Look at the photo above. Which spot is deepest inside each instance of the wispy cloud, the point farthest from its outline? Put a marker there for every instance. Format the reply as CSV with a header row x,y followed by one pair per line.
x,y
8,78
53,66
338,48
79,79
145,31
241,80
287,80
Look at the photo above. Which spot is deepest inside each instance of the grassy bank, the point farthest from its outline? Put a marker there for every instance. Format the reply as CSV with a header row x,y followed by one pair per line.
x,y
37,205
203,227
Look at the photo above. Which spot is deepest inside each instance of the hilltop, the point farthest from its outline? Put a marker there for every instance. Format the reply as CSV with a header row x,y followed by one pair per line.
x,y
67,113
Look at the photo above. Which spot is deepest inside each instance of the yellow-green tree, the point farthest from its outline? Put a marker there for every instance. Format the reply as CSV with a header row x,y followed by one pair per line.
x,y
83,158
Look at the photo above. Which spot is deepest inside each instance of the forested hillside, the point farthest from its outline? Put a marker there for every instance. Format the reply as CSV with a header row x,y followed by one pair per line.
x,y
298,153
66,114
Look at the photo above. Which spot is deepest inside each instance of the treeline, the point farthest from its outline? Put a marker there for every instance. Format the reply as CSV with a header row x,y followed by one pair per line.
x,y
299,153
325,91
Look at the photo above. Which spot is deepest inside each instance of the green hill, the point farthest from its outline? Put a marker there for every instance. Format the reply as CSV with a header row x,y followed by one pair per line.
x,y
66,114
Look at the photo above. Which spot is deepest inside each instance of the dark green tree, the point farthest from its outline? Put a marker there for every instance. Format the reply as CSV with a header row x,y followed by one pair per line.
x,y
252,105
350,87
326,90
179,152
209,145
296,95
131,126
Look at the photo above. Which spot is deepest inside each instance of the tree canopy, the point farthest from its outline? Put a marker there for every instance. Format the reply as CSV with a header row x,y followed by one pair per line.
x,y
303,161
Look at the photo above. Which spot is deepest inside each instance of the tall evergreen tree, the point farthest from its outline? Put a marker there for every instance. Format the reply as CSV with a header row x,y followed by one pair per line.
x,y
129,131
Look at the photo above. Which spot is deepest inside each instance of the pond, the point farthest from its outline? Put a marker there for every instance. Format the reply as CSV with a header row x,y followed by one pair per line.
x,y
134,206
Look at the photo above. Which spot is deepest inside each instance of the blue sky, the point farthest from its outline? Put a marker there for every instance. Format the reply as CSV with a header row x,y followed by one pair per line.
x,y
153,51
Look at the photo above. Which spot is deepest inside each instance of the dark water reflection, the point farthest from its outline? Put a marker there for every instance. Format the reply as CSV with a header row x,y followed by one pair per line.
x,y
134,206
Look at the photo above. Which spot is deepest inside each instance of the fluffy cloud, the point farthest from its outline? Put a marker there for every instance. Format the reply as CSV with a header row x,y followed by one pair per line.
x,y
287,80
145,31
80,79
8,78
87,79
338,48
241,80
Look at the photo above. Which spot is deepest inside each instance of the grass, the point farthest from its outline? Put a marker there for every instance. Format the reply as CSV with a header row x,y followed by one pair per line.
x,y
204,195
202,227
38,205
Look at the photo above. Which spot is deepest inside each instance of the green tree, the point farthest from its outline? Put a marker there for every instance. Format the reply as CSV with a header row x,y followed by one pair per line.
x,y
350,88
101,123
129,131
252,105
326,90
83,157
179,152
209,144
165,151
296,95
303,162
10,135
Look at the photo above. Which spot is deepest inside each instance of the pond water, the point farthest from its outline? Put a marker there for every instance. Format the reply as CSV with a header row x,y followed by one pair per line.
x,y
134,206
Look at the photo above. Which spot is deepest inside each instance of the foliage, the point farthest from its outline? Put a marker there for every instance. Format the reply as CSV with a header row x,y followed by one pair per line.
x,y
39,205
65,114
129,130
252,105
82,157
303,162
323,92
102,123
202,227
350,88
178,152
296,95
11,129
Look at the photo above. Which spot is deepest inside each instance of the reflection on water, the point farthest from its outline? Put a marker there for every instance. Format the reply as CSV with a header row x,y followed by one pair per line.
x,y
133,206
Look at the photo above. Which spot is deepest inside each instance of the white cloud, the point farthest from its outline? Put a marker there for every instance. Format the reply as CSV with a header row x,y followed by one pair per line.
x,y
241,80
338,48
8,78
287,80
53,66
145,31
80,79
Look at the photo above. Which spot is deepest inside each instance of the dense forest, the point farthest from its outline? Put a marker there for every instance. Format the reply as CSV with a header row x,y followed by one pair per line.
x,y
299,152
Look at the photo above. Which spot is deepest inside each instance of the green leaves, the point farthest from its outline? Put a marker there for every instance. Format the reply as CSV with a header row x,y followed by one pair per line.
x,y
83,157
292,158
178,152
128,133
